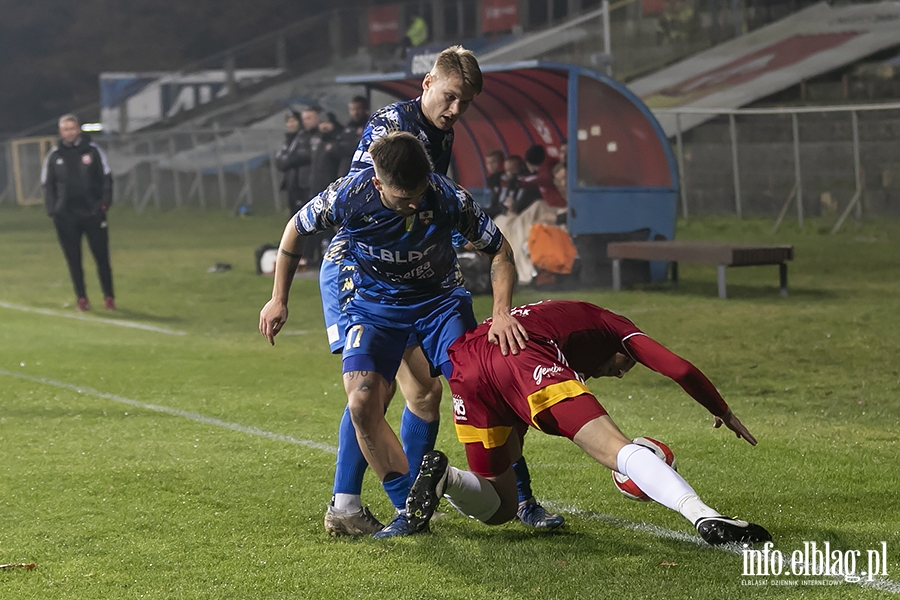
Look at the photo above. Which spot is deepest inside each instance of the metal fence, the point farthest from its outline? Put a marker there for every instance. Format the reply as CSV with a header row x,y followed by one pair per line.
x,y
809,161
823,160
211,168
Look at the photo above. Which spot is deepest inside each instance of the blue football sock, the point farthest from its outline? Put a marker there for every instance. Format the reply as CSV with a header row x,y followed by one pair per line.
x,y
523,479
351,464
397,489
418,437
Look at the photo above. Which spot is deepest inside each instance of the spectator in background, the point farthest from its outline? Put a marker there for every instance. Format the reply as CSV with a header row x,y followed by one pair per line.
x,y
513,196
349,138
294,155
326,155
310,117
417,33
541,171
77,193
493,167
521,195
559,180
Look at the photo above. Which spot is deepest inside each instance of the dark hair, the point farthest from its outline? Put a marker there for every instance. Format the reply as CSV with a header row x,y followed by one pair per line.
x,y
291,114
401,160
360,100
535,155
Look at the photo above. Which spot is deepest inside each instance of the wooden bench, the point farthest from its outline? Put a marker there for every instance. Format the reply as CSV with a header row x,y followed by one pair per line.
x,y
723,255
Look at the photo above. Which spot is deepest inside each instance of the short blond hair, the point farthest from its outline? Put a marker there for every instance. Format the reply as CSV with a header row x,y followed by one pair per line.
x,y
458,61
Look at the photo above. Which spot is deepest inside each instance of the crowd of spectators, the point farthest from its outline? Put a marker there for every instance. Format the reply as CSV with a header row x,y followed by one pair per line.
x,y
524,192
317,149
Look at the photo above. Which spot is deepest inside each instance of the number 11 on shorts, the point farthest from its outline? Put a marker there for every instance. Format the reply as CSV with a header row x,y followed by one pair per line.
x,y
354,336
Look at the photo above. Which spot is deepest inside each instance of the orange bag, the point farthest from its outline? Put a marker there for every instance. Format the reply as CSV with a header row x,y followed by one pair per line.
x,y
551,249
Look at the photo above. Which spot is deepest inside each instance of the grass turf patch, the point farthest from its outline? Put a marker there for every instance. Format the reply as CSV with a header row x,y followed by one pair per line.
x,y
113,496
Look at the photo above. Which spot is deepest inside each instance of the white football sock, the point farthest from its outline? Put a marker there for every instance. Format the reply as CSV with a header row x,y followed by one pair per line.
x,y
471,494
347,503
661,482
693,508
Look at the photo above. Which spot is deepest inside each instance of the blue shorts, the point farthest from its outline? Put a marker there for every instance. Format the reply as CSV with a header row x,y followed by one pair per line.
x,y
336,288
378,333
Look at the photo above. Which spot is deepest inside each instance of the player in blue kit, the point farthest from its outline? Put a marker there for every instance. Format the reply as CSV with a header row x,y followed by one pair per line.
x,y
448,90
399,218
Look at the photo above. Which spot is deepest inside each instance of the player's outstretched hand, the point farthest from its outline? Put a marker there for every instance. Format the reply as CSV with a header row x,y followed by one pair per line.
x,y
508,333
272,318
733,423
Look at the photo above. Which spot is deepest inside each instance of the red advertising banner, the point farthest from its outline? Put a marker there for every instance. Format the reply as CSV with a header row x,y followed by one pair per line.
x,y
651,8
499,15
384,25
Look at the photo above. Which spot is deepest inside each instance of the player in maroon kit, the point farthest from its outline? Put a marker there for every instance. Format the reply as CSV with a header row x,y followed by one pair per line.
x,y
496,398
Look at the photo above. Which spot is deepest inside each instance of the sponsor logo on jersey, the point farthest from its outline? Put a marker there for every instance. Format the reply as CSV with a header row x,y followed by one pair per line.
x,y
540,372
459,408
394,256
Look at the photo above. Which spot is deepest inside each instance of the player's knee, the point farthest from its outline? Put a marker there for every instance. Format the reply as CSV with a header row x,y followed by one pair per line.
x,y
366,398
505,486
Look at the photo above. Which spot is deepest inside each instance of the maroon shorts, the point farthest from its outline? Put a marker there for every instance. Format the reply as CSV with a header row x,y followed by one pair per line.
x,y
493,395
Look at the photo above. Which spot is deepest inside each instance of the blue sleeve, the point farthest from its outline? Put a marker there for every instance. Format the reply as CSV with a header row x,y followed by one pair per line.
x,y
323,211
380,124
471,222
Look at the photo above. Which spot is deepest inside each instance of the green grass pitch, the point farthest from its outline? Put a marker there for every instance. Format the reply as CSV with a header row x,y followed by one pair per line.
x,y
166,451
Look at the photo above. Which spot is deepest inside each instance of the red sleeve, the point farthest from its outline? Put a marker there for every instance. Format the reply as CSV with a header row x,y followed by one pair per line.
x,y
543,180
655,356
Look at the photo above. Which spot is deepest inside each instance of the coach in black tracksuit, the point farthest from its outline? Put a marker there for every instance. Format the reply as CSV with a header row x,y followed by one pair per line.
x,y
77,193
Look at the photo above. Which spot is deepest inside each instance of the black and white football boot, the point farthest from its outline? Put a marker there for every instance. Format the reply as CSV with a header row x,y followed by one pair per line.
x,y
427,489
724,530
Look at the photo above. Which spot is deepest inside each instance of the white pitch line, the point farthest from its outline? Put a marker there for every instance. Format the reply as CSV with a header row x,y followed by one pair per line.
x,y
886,585
175,412
54,313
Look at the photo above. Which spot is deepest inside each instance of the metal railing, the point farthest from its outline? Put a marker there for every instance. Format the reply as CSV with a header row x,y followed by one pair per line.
x,y
789,151
833,162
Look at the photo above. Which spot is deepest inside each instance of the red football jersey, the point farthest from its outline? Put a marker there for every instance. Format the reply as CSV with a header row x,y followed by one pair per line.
x,y
588,336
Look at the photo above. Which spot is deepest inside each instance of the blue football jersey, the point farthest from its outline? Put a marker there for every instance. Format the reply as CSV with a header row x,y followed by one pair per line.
x,y
405,116
401,258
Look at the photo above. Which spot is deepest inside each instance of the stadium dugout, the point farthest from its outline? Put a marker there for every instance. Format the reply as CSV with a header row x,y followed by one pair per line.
x,y
622,178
